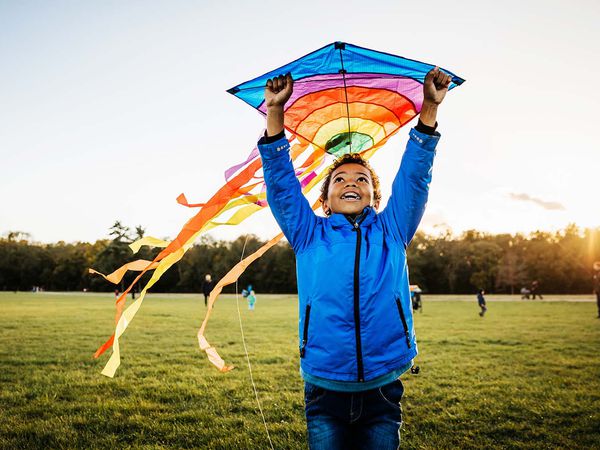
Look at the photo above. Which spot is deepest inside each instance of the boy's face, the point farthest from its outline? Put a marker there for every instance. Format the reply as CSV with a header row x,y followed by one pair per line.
x,y
350,190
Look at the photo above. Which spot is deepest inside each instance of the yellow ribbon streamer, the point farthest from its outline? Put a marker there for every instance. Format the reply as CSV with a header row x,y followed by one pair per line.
x,y
149,241
115,358
116,277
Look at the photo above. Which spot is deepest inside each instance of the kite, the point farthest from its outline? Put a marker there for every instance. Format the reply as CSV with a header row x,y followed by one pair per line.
x,y
346,99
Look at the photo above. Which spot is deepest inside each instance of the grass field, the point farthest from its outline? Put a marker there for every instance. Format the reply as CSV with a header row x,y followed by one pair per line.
x,y
525,376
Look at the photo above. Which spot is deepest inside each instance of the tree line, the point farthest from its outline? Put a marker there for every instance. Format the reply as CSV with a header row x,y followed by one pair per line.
x,y
444,264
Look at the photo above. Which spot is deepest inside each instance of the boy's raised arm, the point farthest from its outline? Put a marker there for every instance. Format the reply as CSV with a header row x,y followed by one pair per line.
x,y
411,185
284,194
435,88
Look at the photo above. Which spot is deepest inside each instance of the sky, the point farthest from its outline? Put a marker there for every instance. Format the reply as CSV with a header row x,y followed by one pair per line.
x,y
109,110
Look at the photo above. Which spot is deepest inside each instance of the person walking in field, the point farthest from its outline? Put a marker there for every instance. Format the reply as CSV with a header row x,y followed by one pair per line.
x,y
535,285
356,334
415,295
481,302
207,286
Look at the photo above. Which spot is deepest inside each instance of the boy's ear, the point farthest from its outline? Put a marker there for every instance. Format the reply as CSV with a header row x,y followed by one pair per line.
x,y
376,205
326,208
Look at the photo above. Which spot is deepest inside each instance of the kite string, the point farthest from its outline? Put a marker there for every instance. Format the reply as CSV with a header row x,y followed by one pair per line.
x,y
237,301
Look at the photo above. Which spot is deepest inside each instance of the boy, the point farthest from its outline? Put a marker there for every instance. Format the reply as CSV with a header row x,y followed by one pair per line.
x,y
356,330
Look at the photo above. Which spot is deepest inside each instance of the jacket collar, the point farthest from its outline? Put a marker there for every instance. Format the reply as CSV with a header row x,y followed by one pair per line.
x,y
364,219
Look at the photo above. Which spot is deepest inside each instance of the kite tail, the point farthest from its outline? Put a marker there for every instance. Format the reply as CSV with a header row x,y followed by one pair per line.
x,y
115,358
236,192
231,277
117,275
149,241
171,254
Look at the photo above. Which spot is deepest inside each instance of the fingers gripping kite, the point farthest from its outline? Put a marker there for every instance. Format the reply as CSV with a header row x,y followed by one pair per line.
x,y
345,99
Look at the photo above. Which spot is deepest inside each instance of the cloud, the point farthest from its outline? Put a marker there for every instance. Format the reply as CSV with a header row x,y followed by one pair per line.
x,y
553,206
434,218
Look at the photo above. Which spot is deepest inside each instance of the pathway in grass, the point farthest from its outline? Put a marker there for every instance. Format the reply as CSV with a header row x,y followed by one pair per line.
x,y
525,376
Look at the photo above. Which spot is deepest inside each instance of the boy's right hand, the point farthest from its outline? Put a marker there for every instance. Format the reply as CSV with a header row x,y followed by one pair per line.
x,y
278,90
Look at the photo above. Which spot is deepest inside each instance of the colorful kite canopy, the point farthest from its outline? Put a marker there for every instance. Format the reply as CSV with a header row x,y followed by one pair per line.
x,y
346,99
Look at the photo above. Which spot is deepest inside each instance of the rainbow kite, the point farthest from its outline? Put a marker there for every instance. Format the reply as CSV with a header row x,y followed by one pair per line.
x,y
346,99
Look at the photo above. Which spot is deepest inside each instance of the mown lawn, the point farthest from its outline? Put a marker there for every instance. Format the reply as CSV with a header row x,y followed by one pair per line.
x,y
525,376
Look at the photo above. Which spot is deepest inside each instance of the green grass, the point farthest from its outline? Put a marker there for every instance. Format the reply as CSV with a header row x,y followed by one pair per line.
x,y
525,376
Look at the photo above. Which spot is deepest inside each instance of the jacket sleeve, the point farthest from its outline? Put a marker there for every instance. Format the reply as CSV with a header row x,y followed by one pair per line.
x,y
284,194
410,189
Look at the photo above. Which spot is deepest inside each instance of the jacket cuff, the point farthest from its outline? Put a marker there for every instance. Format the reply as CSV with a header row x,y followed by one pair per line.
x,y
426,129
423,140
273,149
270,139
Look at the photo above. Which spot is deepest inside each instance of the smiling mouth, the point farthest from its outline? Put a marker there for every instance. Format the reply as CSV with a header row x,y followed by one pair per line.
x,y
350,196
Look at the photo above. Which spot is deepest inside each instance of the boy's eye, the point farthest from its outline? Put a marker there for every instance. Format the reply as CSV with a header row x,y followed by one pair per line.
x,y
363,179
338,179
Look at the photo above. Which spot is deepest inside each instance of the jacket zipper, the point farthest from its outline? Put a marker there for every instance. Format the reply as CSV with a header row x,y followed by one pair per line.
x,y
305,332
359,358
403,319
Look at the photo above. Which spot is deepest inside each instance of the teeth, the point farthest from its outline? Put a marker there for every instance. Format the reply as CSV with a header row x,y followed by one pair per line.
x,y
351,195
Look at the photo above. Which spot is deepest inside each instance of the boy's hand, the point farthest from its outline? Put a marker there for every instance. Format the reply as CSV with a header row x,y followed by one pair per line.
x,y
278,90
435,86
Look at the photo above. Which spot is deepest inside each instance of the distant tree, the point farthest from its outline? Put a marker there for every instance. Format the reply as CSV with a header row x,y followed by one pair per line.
x,y
17,236
70,266
115,254
560,261
511,272
139,232
483,263
119,232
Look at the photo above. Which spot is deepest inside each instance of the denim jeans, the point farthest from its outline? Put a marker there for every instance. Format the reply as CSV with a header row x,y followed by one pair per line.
x,y
353,420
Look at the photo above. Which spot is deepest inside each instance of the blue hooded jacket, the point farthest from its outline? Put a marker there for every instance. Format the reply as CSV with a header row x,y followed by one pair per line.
x,y
356,320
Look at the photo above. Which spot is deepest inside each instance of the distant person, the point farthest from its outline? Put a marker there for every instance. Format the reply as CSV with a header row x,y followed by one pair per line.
x,y
481,302
207,286
117,293
525,293
534,290
415,295
596,284
250,295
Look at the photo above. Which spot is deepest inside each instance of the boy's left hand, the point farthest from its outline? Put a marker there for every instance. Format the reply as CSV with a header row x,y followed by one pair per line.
x,y
435,86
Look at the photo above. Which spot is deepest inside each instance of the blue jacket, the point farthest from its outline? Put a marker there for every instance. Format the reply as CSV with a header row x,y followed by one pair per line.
x,y
355,310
